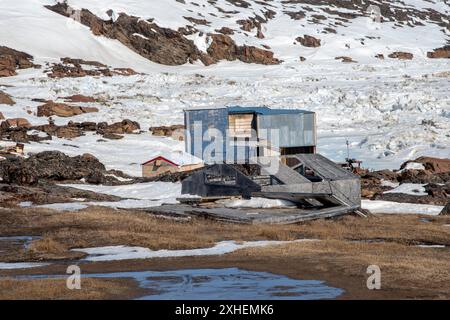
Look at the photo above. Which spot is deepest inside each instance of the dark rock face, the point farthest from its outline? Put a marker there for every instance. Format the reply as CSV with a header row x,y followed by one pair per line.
x,y
309,41
11,60
52,166
440,53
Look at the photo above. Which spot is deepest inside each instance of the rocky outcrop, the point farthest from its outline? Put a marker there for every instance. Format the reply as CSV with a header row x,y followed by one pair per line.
x,y
225,30
440,53
123,127
163,45
435,176
6,99
2,117
380,56
309,41
11,60
401,55
62,110
51,166
160,45
224,48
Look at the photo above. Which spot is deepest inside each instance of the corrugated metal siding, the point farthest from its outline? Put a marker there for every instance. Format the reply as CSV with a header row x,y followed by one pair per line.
x,y
197,124
296,130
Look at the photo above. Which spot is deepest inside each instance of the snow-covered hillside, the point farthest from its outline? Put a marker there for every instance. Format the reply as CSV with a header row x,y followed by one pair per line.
x,y
359,29
391,110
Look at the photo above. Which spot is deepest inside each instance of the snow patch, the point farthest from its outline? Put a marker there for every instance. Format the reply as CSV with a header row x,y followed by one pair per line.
x,y
21,265
127,253
258,203
414,189
389,207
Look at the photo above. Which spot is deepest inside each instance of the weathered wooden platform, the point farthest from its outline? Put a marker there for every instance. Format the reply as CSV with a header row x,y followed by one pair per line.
x,y
252,216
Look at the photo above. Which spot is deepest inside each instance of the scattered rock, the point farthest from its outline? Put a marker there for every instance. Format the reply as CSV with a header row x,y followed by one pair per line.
x,y
175,131
6,99
123,127
124,72
64,132
309,41
302,59
62,110
225,30
401,55
380,56
345,59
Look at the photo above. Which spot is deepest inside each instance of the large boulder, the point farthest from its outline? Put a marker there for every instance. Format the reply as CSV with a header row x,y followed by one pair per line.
x,y
6,99
11,59
309,41
440,53
62,110
122,127
15,122
401,55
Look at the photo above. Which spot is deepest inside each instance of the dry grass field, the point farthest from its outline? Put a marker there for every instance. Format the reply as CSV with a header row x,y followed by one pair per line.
x,y
55,289
347,246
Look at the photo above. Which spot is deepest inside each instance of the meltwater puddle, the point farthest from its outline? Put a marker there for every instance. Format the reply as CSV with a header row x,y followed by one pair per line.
x,y
225,284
